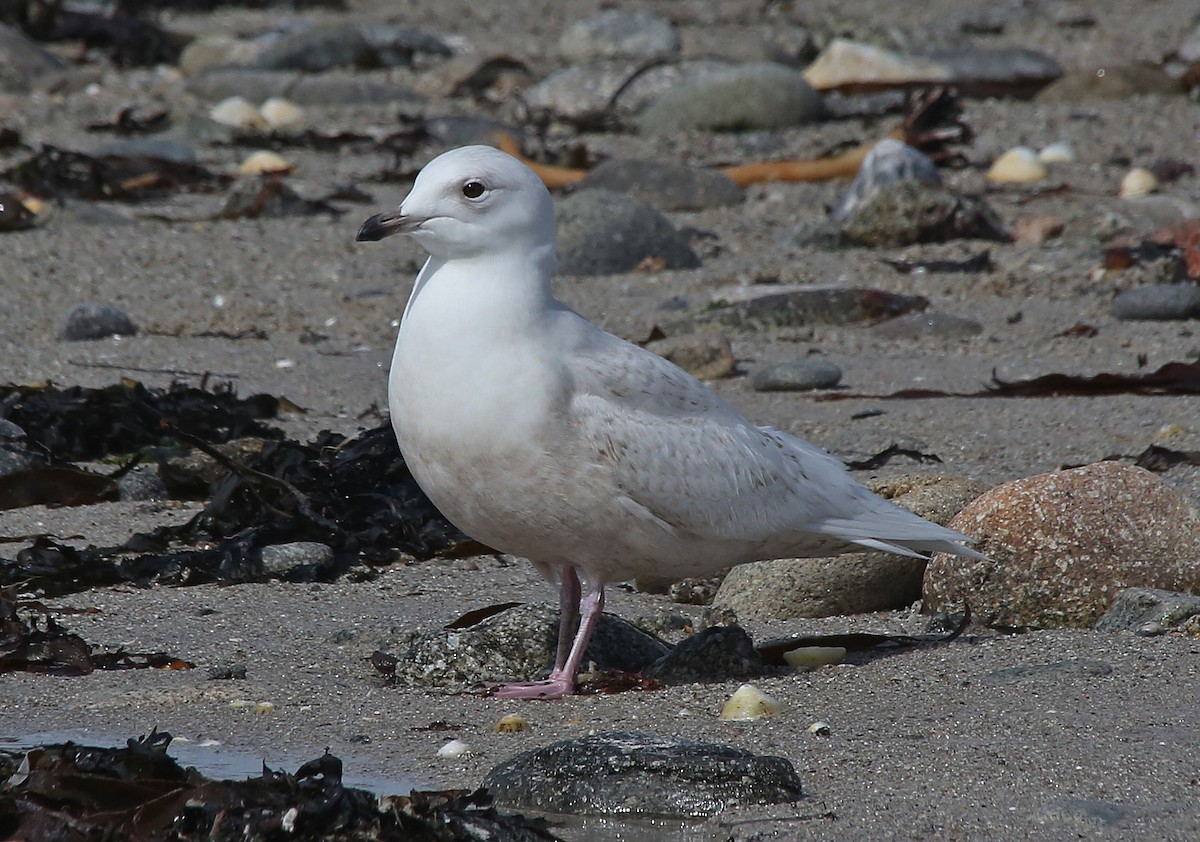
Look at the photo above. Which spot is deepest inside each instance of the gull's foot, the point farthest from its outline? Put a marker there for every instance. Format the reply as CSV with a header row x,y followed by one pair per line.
x,y
554,688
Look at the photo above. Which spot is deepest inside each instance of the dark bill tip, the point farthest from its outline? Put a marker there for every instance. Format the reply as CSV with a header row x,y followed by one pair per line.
x,y
381,225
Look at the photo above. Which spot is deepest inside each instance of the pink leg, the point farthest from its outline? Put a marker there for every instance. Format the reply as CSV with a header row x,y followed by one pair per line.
x,y
562,680
568,615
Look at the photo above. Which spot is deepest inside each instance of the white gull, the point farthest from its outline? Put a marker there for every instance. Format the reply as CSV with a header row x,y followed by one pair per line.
x,y
541,435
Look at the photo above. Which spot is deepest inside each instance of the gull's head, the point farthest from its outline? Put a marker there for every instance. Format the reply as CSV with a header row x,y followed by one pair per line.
x,y
470,202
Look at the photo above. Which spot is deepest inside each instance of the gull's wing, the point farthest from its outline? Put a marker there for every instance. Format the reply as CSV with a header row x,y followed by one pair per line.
x,y
681,455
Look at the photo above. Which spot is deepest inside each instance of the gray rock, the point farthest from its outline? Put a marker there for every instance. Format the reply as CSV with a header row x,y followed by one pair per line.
x,y
853,583
909,212
218,83
707,356
618,34
331,88
316,49
515,645
646,85
266,197
581,91
808,306
719,653
1061,545
752,96
629,773
1160,302
888,162
798,375
286,559
15,455
401,46
96,321
142,483
163,148
23,62
602,232
667,185
1135,608
917,326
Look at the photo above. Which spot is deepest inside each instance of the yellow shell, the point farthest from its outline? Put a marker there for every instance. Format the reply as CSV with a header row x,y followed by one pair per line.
x,y
264,162
237,112
1139,181
282,114
511,724
748,703
1019,165
815,656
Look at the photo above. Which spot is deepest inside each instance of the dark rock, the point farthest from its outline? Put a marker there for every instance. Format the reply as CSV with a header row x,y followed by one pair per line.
x,y
707,356
1061,545
1160,302
96,321
24,62
316,49
1136,608
888,162
798,375
815,305
286,559
928,326
400,46
666,185
719,653
616,34
746,97
15,455
909,212
515,645
602,232
640,774
142,483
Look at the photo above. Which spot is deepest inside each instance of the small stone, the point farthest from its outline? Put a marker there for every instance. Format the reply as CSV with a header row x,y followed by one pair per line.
x,y
288,559
812,657
718,653
262,162
1137,609
618,34
820,729
744,98
1136,183
454,749
804,306
747,704
798,375
315,49
96,321
916,326
888,162
844,62
236,111
142,483
1035,230
603,232
1019,165
282,115
511,724
706,356
1158,302
910,212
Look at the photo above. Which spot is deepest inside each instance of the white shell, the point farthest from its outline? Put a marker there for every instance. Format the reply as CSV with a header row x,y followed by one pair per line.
x,y
748,703
1018,165
282,114
1139,181
264,162
1057,153
820,729
454,749
511,724
237,112
815,656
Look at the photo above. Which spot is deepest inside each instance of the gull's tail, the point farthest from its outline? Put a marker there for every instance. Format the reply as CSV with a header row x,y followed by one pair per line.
x,y
897,530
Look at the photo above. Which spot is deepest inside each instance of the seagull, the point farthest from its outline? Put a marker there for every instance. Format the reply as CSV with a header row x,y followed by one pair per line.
x,y
544,436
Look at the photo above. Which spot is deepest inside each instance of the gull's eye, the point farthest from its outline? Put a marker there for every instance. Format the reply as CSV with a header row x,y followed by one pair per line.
x,y
473,189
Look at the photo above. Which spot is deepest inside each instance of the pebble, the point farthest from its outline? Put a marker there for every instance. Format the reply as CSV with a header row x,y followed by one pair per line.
x,y
142,483
667,185
798,375
706,356
1019,165
1158,302
844,62
238,112
718,653
636,774
263,162
1060,545
910,212
603,232
747,704
96,321
581,91
815,656
806,306
743,98
888,162
288,559
15,456
616,34
1136,183
454,749
1135,609
917,326
282,114
854,583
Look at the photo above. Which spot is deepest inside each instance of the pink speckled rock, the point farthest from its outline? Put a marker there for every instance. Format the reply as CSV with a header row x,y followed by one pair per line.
x,y
1062,545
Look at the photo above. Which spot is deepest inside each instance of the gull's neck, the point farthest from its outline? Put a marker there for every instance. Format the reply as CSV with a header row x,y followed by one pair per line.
x,y
507,288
